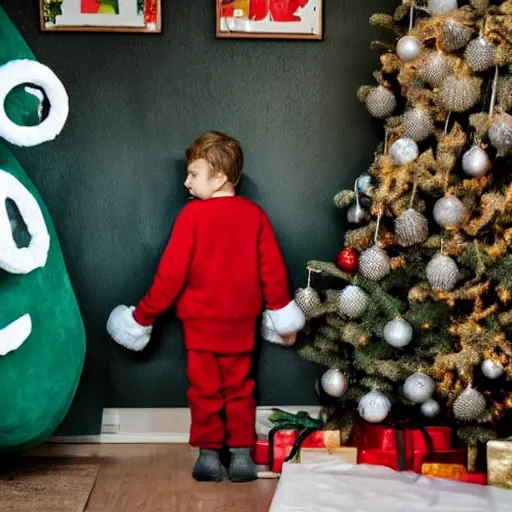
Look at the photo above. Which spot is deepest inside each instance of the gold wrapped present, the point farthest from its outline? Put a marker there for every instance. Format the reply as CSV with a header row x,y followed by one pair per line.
x,y
443,470
499,463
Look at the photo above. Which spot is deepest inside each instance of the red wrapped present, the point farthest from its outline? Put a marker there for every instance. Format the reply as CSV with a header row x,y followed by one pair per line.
x,y
384,458
282,444
474,478
261,453
384,446
413,445
430,440
284,441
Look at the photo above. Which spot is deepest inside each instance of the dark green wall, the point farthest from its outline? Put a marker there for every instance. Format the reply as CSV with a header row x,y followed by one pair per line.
x,y
113,179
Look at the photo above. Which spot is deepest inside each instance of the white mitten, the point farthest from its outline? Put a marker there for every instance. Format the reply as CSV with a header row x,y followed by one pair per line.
x,y
288,320
281,322
268,331
124,330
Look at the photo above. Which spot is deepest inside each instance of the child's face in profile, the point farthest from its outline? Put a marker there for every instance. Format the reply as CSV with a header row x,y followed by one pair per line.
x,y
200,182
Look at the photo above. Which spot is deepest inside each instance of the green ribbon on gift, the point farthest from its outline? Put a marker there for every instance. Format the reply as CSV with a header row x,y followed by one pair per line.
x,y
299,421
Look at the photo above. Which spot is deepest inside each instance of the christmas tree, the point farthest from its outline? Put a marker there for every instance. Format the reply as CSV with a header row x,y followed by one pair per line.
x,y
420,328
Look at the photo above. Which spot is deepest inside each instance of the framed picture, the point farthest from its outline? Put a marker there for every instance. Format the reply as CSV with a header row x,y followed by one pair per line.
x,y
270,19
143,16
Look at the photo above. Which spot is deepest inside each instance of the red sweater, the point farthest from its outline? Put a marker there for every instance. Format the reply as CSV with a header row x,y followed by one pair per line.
x,y
222,261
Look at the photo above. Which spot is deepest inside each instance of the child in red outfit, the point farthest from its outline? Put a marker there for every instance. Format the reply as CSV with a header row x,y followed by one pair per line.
x,y
222,263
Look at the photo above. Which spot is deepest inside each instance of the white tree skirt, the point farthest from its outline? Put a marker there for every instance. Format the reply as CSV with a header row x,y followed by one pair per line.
x,y
338,487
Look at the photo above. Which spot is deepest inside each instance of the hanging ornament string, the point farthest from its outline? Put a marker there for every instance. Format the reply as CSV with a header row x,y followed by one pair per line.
x,y
377,229
309,278
493,94
442,246
413,194
447,122
356,191
386,133
411,17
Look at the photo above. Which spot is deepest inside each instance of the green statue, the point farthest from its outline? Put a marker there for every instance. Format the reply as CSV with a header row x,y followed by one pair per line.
x,y
42,336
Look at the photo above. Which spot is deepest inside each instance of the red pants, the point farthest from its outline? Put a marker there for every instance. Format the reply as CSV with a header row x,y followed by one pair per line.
x,y
220,384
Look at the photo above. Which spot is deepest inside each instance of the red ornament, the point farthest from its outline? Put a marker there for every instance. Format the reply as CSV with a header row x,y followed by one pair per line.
x,y
348,260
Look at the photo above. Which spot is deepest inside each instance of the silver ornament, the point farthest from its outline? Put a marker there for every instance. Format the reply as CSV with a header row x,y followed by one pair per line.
x,y
380,102
411,228
442,273
408,48
418,124
459,94
374,263
398,333
307,298
437,67
430,408
364,182
491,369
403,151
449,211
480,54
356,214
374,407
469,405
475,162
353,301
442,6
453,36
418,388
500,133
334,383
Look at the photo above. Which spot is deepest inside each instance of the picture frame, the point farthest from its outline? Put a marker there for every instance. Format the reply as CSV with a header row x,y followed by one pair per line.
x,y
270,19
132,16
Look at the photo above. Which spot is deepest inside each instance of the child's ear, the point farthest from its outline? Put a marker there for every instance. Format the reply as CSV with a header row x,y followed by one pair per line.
x,y
221,179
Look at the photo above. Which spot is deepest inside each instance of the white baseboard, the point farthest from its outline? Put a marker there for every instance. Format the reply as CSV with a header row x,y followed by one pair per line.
x,y
161,425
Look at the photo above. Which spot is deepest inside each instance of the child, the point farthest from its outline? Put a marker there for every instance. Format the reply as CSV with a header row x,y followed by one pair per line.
x,y
221,262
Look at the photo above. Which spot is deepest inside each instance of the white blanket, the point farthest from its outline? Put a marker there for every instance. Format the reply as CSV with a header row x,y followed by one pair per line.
x,y
338,487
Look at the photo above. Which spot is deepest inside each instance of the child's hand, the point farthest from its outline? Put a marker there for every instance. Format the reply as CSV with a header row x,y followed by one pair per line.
x,y
289,340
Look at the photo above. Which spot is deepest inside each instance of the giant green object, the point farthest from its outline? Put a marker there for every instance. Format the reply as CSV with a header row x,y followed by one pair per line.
x,y
39,379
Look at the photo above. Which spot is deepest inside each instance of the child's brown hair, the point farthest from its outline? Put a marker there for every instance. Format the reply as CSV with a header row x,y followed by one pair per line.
x,y
222,152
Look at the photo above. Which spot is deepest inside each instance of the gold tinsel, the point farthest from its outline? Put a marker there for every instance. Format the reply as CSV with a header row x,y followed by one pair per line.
x,y
490,203
363,91
504,93
344,198
390,63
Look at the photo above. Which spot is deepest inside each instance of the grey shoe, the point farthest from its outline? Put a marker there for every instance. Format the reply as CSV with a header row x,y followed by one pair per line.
x,y
241,467
208,467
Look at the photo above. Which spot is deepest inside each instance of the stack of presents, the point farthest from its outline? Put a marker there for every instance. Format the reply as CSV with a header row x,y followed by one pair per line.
x,y
429,451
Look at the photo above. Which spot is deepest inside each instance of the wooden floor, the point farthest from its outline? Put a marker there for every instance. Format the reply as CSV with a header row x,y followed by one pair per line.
x,y
157,478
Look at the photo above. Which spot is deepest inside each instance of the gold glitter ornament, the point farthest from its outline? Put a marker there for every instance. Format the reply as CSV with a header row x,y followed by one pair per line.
x,y
307,298
411,228
442,273
453,36
436,69
380,102
374,263
459,94
500,133
480,54
353,301
418,124
469,405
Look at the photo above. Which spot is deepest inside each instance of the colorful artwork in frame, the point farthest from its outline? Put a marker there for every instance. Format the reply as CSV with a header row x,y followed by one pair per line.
x,y
143,16
275,19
